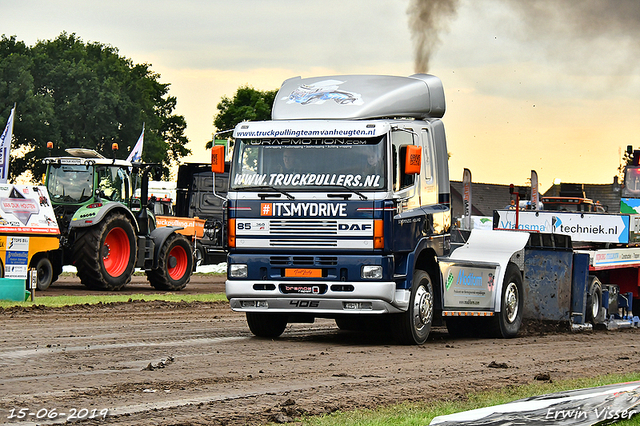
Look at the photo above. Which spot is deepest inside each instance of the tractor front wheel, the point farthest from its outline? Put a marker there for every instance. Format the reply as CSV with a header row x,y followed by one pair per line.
x,y
105,254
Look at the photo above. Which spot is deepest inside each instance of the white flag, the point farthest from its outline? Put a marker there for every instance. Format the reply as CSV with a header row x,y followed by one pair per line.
x,y
535,198
136,153
466,198
5,147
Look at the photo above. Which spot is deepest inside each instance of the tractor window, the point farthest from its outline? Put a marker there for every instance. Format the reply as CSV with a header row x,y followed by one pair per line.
x,y
112,183
70,183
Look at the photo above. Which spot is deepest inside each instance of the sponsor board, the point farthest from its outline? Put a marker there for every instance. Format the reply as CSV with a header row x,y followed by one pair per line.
x,y
467,287
26,209
609,258
585,227
630,205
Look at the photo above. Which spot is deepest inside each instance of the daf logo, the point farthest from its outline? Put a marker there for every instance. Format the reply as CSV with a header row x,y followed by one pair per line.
x,y
354,227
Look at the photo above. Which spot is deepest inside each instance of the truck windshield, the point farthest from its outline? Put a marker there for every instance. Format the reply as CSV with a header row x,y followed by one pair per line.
x,y
631,188
70,183
308,164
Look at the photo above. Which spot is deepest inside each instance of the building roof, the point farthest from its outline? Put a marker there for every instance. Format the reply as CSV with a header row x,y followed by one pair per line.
x,y
485,198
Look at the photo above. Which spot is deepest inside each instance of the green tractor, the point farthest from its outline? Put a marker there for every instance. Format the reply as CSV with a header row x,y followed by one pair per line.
x,y
106,232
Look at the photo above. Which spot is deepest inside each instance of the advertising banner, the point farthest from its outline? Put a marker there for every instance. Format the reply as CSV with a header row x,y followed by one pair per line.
x,y
26,209
466,198
468,287
584,227
535,195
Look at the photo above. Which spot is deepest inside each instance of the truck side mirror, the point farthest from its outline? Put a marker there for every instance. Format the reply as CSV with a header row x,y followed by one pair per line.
x,y
217,159
413,160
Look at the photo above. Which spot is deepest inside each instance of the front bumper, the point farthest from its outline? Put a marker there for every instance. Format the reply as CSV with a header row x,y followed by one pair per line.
x,y
337,298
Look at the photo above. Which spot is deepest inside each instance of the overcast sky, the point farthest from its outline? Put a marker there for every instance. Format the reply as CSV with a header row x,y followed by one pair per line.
x,y
550,85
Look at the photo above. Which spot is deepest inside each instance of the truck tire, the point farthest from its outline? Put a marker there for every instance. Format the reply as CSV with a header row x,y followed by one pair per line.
x,y
463,327
507,322
413,327
266,325
106,253
44,269
350,323
175,264
198,254
594,312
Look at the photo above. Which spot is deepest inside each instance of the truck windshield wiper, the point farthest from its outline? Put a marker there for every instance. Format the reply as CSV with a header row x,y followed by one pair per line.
x,y
362,196
289,196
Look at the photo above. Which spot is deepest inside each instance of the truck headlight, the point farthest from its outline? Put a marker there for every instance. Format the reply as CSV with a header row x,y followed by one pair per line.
x,y
238,270
371,272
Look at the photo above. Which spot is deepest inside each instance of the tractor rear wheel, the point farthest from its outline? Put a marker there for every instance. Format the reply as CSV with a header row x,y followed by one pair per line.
x,y
106,253
175,264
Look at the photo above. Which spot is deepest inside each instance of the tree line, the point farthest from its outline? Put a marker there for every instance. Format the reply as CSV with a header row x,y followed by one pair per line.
x,y
86,95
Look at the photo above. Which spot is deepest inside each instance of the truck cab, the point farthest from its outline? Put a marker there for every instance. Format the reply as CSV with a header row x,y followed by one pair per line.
x,y
339,206
199,195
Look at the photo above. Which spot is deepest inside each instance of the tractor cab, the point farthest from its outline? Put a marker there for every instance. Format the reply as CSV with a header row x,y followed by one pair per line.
x,y
84,178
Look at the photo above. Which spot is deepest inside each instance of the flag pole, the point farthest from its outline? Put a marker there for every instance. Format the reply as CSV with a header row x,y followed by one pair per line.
x,y
5,146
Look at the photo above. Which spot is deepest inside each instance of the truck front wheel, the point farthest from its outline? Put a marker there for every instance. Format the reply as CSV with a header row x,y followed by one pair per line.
x,y
507,322
175,264
413,327
105,254
198,254
266,325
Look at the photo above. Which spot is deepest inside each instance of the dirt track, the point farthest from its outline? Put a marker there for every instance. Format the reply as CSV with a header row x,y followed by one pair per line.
x,y
197,364
70,284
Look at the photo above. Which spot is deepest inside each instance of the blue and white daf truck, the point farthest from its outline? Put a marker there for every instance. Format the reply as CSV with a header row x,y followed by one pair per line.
x,y
339,208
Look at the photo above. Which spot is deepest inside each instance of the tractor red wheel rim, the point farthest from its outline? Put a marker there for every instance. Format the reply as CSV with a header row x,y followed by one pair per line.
x,y
116,252
181,262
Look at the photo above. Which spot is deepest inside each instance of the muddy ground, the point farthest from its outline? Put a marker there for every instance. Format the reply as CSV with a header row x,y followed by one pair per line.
x,y
160,363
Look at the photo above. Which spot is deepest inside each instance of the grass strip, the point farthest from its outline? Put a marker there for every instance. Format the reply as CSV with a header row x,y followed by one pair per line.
x,y
57,301
421,414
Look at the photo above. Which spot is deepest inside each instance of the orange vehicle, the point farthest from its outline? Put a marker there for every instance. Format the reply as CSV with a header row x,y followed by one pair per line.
x,y
572,204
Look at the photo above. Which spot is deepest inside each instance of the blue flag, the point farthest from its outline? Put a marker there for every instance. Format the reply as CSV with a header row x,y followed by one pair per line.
x,y
136,153
5,147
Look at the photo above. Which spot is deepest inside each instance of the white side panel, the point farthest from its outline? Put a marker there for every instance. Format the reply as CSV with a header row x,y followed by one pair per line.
x,y
490,247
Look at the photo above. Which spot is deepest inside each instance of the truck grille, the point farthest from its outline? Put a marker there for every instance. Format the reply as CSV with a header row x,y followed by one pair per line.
x,y
303,261
298,243
298,227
